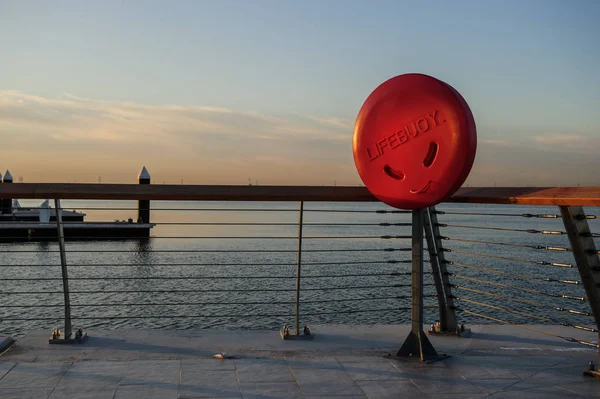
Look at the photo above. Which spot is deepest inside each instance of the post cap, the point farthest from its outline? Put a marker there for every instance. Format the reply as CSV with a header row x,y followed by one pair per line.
x,y
144,174
7,177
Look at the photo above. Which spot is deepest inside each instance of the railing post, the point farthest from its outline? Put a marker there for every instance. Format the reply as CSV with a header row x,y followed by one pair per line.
x,y
63,264
417,345
299,266
587,260
285,330
67,337
448,323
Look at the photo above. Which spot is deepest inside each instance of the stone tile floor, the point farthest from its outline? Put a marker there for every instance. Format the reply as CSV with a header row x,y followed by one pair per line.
x,y
342,362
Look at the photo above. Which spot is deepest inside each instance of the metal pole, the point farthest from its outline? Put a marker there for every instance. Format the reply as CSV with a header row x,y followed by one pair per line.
x,y
63,264
299,267
417,271
417,345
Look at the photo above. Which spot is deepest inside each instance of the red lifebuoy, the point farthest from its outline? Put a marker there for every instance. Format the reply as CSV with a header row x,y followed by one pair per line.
x,y
414,141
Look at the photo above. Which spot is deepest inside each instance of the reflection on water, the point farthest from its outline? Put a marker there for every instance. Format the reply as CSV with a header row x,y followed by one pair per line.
x,y
243,276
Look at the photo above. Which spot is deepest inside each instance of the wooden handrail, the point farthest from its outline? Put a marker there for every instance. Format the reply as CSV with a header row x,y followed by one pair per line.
x,y
574,196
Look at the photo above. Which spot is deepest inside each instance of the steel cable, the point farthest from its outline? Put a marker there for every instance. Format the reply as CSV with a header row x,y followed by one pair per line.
x,y
569,339
562,323
538,304
523,276
549,248
566,265
531,291
531,231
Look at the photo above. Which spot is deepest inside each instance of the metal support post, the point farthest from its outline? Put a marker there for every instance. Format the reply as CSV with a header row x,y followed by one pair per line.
x,y
67,336
417,345
285,331
587,259
299,267
448,324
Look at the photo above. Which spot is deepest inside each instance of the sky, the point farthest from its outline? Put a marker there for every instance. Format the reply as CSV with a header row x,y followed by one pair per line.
x,y
227,92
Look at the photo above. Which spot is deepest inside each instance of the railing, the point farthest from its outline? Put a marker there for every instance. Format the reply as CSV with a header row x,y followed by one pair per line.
x,y
339,256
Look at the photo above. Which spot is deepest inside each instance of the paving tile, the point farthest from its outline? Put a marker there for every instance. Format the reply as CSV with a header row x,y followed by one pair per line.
x,y
163,373
445,373
5,368
473,372
458,396
589,388
146,392
198,382
34,375
195,377
443,385
492,386
82,393
263,370
25,393
209,364
210,391
554,377
323,363
372,369
537,393
526,361
337,397
391,389
84,375
319,381
271,390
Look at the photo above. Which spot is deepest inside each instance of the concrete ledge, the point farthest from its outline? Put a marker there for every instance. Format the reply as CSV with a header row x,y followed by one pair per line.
x,y
329,340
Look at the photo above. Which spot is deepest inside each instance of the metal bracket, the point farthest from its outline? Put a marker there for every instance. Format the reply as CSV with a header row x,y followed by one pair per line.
x,y
417,347
587,260
286,334
447,324
57,338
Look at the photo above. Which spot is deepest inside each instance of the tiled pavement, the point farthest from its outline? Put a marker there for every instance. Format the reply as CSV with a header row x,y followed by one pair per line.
x,y
141,367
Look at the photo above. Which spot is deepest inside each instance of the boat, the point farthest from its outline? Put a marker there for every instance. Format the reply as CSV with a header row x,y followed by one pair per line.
x,y
39,224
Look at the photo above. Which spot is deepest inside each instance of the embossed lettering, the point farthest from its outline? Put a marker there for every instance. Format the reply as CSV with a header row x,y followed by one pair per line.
x,y
423,124
393,139
423,129
402,136
371,157
435,118
381,145
414,125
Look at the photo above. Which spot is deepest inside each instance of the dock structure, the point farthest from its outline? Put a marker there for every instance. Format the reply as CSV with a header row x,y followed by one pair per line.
x,y
40,224
7,202
144,205
35,231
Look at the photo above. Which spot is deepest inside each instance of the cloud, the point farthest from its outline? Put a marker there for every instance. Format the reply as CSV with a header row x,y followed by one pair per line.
x,y
93,133
332,121
560,139
500,143
81,119
74,138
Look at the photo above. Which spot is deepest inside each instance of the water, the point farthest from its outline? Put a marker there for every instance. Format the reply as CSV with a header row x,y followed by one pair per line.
x,y
245,278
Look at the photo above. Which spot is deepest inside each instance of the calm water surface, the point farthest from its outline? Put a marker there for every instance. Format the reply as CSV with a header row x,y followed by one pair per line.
x,y
244,276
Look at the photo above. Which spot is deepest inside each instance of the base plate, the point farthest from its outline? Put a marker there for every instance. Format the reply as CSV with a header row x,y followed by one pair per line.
x,y
591,373
466,333
68,340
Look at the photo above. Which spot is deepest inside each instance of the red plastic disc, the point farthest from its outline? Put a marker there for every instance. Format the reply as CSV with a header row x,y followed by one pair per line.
x,y
414,141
